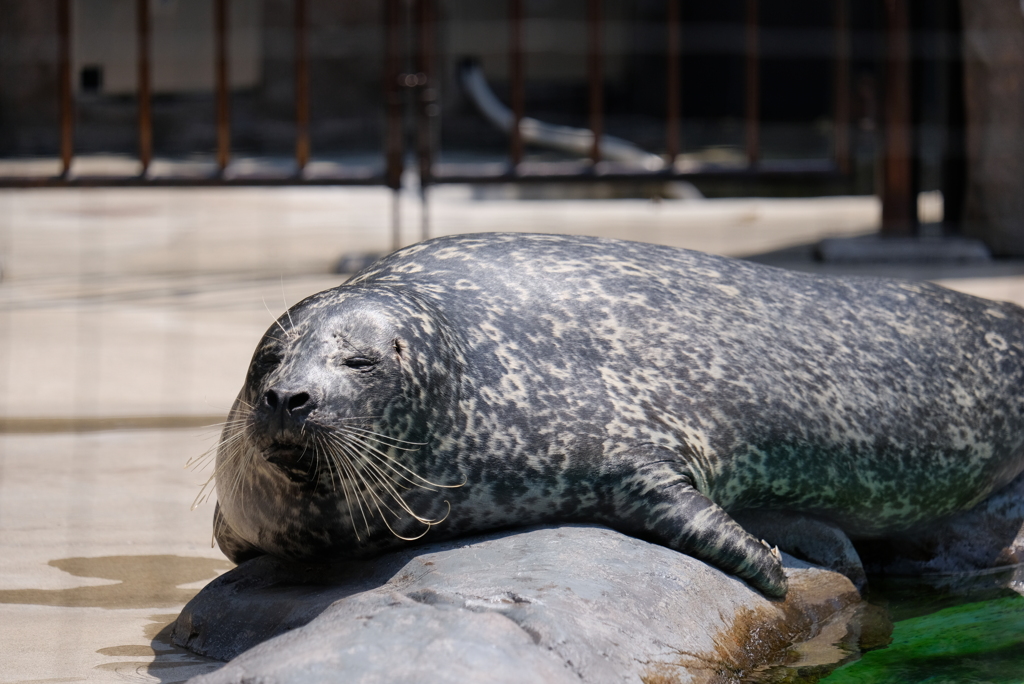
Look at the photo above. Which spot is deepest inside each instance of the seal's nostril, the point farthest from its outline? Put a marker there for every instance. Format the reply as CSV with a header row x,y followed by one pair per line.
x,y
271,398
297,400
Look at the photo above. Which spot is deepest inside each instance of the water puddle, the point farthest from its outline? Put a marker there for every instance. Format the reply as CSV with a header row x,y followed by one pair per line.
x,y
964,630
981,641
162,581
143,582
164,662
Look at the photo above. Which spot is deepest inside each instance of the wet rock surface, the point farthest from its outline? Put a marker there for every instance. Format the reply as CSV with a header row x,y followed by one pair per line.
x,y
568,603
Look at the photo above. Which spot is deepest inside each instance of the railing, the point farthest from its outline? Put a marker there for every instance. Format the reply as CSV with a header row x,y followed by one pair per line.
x,y
596,168
414,21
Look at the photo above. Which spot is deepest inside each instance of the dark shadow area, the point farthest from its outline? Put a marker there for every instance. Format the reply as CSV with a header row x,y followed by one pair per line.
x,y
277,596
169,664
802,258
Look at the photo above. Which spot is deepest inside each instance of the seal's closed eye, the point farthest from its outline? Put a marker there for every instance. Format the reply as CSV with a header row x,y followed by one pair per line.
x,y
266,361
360,362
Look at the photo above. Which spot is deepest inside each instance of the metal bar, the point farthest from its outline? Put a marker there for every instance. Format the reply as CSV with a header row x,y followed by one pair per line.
x,y
301,87
672,85
396,218
145,100
596,76
392,92
753,95
897,209
67,105
954,162
515,64
393,96
842,86
427,109
223,95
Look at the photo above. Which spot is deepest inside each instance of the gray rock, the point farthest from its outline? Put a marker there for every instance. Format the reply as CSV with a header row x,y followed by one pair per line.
x,y
549,604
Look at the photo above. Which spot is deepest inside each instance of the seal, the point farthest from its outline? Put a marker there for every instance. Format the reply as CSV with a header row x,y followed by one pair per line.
x,y
497,380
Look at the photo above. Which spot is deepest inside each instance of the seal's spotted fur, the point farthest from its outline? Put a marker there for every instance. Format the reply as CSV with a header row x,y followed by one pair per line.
x,y
648,388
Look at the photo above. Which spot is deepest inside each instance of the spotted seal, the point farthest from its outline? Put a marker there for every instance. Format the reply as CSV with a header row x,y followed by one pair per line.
x,y
496,380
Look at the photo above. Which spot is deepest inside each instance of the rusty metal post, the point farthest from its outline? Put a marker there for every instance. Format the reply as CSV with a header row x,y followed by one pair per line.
x,y
898,210
223,95
393,95
753,94
841,115
67,105
145,99
301,87
515,64
428,108
672,85
595,73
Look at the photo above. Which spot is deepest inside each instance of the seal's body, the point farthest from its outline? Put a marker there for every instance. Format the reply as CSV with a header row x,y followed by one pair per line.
x,y
474,382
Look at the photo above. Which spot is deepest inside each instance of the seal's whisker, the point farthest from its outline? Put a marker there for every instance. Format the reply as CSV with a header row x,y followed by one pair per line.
x,y
315,467
228,453
227,421
345,457
277,321
390,463
319,449
393,463
228,448
239,458
360,447
201,461
203,495
389,445
390,486
341,461
194,461
353,428
248,456
284,300
334,458
377,502
351,476
208,487
387,484
362,418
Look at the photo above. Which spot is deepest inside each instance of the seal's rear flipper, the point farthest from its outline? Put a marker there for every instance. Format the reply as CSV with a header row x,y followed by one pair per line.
x,y
659,502
234,547
810,539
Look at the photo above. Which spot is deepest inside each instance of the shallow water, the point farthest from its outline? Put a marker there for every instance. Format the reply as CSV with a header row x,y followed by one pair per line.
x,y
963,632
981,641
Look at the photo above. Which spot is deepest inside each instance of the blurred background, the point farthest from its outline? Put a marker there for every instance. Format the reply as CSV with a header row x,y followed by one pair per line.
x,y
175,173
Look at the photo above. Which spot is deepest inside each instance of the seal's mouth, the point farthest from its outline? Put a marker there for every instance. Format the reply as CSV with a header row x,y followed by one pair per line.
x,y
296,461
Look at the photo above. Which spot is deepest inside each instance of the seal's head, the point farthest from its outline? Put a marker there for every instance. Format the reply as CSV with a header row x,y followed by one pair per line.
x,y
327,450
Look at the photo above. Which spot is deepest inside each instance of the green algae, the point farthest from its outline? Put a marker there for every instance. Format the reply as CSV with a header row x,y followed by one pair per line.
x,y
975,642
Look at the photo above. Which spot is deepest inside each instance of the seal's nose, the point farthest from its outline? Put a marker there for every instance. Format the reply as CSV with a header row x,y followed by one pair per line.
x,y
288,405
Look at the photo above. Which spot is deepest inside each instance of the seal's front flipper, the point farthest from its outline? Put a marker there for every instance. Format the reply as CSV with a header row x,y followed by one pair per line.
x,y
659,502
234,547
813,540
